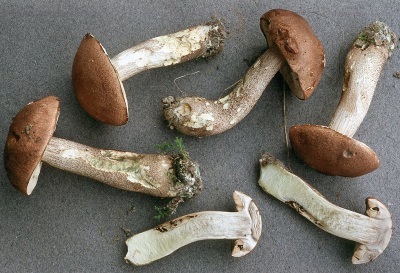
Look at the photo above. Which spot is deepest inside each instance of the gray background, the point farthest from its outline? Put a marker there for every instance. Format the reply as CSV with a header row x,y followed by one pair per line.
x,y
74,224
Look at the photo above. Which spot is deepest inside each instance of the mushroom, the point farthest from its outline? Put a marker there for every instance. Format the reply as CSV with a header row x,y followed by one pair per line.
x,y
243,226
97,79
332,150
293,49
371,232
30,142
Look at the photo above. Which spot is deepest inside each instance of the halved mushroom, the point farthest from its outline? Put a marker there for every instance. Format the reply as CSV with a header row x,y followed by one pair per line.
x,y
293,49
30,142
243,226
371,232
97,79
332,150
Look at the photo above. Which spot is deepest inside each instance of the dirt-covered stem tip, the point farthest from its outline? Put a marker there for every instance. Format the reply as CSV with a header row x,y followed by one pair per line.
x,y
378,34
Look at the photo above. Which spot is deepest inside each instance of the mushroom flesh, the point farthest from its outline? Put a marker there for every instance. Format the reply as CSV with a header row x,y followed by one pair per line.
x,y
243,226
371,232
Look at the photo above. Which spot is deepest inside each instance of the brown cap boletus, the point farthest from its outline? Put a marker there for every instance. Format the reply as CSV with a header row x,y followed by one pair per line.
x,y
332,150
97,79
28,136
293,49
30,142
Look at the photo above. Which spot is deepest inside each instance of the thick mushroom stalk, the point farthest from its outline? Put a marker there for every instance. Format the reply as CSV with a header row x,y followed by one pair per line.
x,y
201,117
293,49
331,150
363,66
154,174
97,79
30,142
243,226
371,232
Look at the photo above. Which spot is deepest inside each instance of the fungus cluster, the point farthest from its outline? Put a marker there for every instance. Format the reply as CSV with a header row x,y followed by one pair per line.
x,y
293,50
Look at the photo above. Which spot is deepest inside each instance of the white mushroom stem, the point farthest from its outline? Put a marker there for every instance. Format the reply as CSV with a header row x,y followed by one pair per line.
x,y
363,66
243,226
202,117
198,41
157,175
372,231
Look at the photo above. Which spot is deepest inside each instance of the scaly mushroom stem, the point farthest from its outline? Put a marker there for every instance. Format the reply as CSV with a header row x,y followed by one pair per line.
x,y
153,174
243,226
363,66
196,42
372,231
200,117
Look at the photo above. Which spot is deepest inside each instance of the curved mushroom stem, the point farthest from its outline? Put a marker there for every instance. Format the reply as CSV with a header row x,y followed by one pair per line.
x,y
199,41
200,117
243,226
157,175
372,231
364,63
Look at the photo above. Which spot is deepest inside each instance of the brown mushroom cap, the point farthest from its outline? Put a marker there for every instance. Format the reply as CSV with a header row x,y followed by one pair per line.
x,y
332,153
296,41
97,85
30,132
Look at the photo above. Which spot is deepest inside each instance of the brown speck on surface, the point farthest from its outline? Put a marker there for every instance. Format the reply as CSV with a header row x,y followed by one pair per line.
x,y
127,231
161,229
396,75
115,239
132,209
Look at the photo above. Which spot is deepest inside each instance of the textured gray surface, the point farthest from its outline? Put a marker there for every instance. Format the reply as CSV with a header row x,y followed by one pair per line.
x,y
73,224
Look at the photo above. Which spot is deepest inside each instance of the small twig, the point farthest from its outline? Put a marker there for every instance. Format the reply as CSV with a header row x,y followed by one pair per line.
x,y
180,77
229,87
285,124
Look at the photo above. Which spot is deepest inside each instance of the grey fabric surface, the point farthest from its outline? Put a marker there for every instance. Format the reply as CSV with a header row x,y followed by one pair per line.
x,y
74,224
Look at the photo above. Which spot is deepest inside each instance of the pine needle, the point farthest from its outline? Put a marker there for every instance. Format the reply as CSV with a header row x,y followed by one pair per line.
x,y
180,77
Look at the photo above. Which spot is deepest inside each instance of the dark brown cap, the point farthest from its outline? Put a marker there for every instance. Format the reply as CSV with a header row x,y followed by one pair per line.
x,y
97,85
332,153
28,136
296,41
